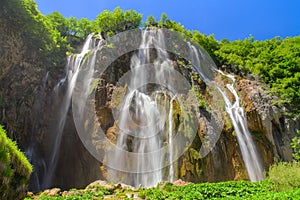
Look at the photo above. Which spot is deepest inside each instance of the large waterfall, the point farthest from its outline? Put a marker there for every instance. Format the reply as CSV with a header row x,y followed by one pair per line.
x,y
145,151
143,116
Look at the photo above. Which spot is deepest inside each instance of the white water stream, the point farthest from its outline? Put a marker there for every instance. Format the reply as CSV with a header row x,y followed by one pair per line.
x,y
72,69
239,121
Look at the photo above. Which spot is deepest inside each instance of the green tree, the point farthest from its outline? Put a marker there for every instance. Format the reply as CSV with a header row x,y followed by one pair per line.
x,y
150,21
209,43
163,19
117,21
58,22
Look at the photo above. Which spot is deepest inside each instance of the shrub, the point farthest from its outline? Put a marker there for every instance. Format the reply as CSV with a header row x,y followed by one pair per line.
x,y
286,176
14,169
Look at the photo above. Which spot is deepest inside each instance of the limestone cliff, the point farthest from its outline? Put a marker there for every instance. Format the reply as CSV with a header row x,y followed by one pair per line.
x,y
29,110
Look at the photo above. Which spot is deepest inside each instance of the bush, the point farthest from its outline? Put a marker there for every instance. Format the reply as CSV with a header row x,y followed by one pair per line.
x,y
295,144
286,176
15,169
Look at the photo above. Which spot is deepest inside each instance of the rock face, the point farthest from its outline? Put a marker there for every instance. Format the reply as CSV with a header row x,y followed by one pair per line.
x,y
271,130
28,109
267,120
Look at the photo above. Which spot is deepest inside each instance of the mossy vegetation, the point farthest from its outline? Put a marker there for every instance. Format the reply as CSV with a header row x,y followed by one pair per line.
x,y
14,169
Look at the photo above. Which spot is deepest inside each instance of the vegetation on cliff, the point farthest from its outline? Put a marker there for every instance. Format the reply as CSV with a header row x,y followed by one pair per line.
x,y
276,62
14,169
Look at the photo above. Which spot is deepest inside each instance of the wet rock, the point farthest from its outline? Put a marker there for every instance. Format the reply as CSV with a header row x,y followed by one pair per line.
x,y
99,183
180,182
109,186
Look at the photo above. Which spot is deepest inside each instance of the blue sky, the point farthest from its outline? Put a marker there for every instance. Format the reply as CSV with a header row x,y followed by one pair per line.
x,y
231,19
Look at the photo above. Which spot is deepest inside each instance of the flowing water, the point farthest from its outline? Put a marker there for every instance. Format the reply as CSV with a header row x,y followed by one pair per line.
x,y
72,68
239,121
246,144
170,141
143,116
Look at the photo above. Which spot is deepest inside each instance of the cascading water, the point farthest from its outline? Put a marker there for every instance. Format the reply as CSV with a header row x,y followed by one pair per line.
x,y
146,114
170,141
74,64
143,117
247,146
239,121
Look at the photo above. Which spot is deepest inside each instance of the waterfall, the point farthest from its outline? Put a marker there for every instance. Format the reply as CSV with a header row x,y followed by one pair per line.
x,y
247,146
66,85
170,141
142,118
239,121
145,117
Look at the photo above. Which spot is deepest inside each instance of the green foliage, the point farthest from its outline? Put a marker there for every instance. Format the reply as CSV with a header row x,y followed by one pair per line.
x,y
94,192
202,104
151,21
295,144
231,189
36,30
209,43
58,22
285,175
283,182
164,190
276,186
117,21
70,26
290,194
163,19
14,169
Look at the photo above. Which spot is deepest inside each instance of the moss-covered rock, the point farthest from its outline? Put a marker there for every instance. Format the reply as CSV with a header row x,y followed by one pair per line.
x,y
15,169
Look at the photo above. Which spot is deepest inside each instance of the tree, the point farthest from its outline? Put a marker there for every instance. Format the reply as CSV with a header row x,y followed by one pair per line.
x,y
163,19
117,21
59,23
150,21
